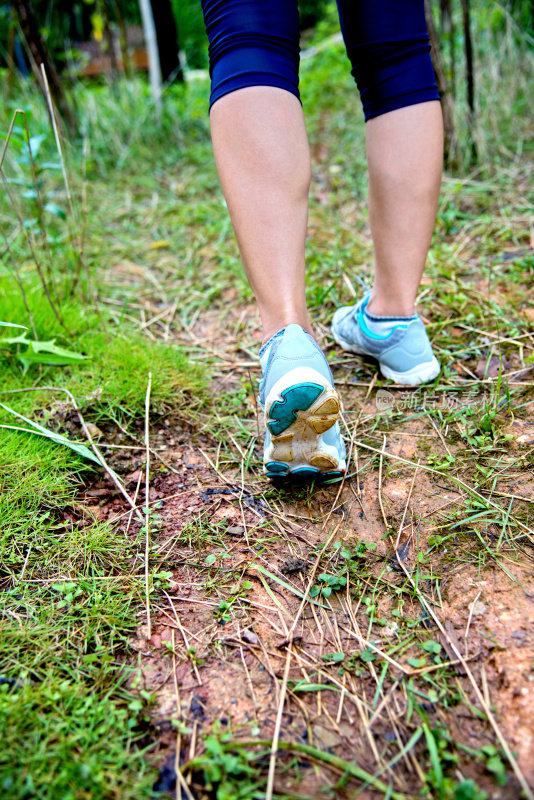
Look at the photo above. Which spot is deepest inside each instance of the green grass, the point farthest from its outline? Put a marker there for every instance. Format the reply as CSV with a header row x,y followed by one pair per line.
x,y
64,701
71,585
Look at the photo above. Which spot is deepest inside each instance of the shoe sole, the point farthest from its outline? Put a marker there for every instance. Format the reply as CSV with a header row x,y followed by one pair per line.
x,y
421,373
300,407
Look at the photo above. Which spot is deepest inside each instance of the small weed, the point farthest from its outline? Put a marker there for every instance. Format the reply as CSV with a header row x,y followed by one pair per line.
x,y
223,612
327,584
229,775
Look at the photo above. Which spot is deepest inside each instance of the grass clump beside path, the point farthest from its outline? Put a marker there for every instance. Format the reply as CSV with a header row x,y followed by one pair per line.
x,y
71,585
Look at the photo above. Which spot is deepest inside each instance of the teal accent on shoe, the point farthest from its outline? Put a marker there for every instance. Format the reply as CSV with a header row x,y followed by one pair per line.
x,y
302,409
296,398
301,473
368,332
304,472
276,467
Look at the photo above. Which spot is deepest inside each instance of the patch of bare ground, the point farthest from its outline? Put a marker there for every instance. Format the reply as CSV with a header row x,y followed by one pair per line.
x,y
366,626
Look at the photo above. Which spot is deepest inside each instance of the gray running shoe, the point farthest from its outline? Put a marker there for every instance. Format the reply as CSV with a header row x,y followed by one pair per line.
x,y
405,355
302,435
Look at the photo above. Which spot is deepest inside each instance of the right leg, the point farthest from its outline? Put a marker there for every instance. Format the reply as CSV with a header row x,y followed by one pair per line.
x,y
262,155
261,148
404,155
388,44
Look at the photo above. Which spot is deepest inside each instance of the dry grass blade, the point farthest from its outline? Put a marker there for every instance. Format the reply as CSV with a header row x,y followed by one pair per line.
x,y
184,636
147,497
180,782
278,725
60,151
285,584
380,467
467,627
77,236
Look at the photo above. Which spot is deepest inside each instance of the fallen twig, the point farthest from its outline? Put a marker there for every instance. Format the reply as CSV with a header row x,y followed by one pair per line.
x,y
147,509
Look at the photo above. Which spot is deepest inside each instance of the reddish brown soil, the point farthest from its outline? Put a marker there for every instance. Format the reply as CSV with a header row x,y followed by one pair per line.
x,y
211,673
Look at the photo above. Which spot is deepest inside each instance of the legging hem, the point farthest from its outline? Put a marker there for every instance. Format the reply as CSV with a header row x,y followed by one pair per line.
x,y
403,101
246,83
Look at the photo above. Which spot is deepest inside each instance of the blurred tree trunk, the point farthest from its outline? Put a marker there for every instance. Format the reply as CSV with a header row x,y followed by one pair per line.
x,y
154,68
167,36
39,55
108,35
441,79
123,43
448,26
470,73
10,55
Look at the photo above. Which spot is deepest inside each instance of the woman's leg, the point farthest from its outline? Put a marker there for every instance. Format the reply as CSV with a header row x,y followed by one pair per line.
x,y
262,156
387,43
404,154
261,151
261,147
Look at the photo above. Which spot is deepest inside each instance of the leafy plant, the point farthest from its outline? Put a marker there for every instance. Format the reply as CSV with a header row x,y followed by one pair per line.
x,y
30,351
162,579
468,790
230,775
222,612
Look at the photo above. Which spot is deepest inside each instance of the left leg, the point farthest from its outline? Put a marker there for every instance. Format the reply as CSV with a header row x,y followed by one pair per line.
x,y
262,156
261,148
388,44
404,155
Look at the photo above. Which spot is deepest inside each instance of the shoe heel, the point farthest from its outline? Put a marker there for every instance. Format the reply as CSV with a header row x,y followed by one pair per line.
x,y
297,416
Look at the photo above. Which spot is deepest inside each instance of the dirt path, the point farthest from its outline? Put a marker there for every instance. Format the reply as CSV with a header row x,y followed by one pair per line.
x,y
410,661
422,590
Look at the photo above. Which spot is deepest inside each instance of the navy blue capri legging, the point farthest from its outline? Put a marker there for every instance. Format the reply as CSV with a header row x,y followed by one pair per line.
x,y
256,43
